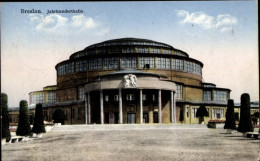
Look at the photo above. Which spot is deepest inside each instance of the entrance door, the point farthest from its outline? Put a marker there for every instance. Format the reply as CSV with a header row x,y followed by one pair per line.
x,y
131,118
145,117
155,117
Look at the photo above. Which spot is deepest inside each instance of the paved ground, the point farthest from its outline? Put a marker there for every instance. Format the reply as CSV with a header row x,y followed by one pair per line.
x,y
134,142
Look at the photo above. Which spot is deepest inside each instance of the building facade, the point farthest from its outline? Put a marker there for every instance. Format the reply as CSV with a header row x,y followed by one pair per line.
x,y
131,80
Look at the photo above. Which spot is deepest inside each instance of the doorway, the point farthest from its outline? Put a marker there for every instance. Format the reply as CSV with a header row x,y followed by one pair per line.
x,y
131,118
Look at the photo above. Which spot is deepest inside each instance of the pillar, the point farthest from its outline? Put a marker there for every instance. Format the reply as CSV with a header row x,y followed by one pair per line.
x,y
141,106
101,108
159,107
120,106
173,107
86,107
89,108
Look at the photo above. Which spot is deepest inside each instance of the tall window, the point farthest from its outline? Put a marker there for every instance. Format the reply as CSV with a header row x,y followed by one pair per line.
x,y
207,95
111,63
128,50
165,51
129,62
81,95
155,50
81,66
130,97
146,60
194,111
178,92
177,64
220,96
52,97
95,63
163,63
188,66
69,68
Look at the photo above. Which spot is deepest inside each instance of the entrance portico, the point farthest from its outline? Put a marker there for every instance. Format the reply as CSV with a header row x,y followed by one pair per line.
x,y
133,95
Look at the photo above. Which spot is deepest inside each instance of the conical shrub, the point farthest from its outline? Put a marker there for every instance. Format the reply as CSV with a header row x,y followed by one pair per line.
x,y
230,116
24,128
5,118
38,126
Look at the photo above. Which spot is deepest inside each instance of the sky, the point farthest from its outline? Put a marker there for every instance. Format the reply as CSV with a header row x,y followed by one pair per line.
x,y
223,35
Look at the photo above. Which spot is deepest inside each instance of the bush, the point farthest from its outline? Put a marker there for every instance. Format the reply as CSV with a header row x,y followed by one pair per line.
x,y
245,123
230,116
201,113
38,126
58,116
5,118
24,128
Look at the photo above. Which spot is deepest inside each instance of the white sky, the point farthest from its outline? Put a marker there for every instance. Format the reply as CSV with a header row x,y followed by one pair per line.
x,y
222,35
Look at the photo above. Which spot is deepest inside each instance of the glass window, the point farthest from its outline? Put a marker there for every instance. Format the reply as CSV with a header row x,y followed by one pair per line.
x,y
111,63
81,95
81,66
128,50
130,97
115,50
220,96
116,98
207,95
52,97
129,62
177,64
194,111
154,50
69,68
95,63
218,113
187,111
178,92
146,60
38,98
165,51
142,50
163,63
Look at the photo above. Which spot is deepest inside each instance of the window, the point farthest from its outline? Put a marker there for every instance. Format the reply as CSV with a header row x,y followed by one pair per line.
x,y
177,64
142,50
189,66
144,96
130,97
163,63
194,111
164,51
154,50
52,97
73,113
81,66
187,111
38,98
81,95
95,63
128,50
218,113
106,98
146,60
220,96
129,62
207,95
111,63
178,92
69,68
116,98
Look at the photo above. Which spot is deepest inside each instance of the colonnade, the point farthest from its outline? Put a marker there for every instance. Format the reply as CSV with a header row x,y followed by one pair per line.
x,y
88,107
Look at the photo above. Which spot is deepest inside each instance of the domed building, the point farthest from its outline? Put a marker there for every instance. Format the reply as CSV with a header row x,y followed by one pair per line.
x,y
131,80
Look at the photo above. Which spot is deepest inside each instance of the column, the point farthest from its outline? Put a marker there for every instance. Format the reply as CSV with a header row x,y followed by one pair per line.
x,y
101,108
159,107
173,107
86,107
89,108
141,106
120,107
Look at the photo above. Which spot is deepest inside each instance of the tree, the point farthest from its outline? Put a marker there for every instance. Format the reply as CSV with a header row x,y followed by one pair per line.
x,y
230,116
24,128
38,126
5,118
201,113
245,123
58,116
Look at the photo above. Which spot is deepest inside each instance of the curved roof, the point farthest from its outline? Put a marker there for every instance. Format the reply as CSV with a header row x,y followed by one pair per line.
x,y
129,41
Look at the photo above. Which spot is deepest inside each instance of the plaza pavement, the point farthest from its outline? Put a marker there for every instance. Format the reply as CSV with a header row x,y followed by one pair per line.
x,y
134,142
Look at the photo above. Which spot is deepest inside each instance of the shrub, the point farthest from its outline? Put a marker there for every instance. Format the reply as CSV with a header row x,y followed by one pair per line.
x,y
38,126
24,128
245,123
5,118
201,113
58,116
230,116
